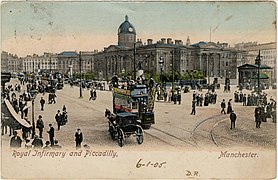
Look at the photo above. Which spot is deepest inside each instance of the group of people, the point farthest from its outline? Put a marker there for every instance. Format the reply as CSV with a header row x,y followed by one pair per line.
x,y
199,100
37,143
252,99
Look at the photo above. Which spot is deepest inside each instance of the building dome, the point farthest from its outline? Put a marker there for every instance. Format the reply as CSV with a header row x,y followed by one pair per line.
x,y
126,27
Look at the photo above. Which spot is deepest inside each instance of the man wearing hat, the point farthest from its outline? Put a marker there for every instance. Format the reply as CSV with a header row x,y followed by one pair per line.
x,y
15,141
223,106
40,125
233,119
51,134
78,138
37,142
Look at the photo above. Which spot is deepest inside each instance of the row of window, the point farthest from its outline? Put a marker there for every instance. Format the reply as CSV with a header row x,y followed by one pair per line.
x,y
268,57
268,51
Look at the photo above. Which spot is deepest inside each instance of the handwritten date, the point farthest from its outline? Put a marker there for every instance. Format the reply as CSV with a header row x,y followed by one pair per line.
x,y
141,164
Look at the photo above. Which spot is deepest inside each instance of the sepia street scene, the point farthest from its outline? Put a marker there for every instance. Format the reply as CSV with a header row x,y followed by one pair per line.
x,y
188,78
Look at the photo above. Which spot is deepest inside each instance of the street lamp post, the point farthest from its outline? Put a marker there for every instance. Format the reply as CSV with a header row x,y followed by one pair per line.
x,y
161,62
258,62
33,94
172,74
134,63
80,69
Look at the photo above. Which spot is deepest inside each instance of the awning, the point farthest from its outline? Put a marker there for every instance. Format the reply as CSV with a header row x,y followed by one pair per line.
x,y
12,118
262,76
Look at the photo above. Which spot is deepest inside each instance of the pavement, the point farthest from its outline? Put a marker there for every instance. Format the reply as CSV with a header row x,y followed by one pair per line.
x,y
174,127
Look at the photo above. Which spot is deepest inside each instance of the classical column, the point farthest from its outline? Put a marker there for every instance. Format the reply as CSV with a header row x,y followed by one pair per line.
x,y
208,71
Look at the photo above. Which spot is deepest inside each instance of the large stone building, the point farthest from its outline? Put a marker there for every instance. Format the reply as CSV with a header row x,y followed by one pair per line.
x,y
267,52
11,62
40,63
68,62
215,60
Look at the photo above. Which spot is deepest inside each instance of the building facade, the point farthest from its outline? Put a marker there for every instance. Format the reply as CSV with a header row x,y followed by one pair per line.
x,y
215,60
40,63
267,53
11,62
68,62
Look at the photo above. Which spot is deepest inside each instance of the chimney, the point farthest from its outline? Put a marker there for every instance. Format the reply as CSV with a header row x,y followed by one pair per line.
x,y
169,40
178,42
149,41
163,40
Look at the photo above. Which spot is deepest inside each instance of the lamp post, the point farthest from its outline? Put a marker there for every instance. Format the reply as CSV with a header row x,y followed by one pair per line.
x,y
33,94
134,63
172,73
258,62
80,70
161,62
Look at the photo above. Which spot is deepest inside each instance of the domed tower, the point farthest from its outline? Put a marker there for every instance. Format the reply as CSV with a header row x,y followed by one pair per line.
x,y
126,34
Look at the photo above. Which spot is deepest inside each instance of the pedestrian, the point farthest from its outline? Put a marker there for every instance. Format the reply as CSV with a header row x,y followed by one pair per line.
x,y
233,119
40,125
223,106
4,124
24,110
53,97
51,134
78,138
95,94
58,118
193,112
257,117
15,141
91,94
37,142
64,108
165,95
42,101
201,100
244,100
229,108
179,97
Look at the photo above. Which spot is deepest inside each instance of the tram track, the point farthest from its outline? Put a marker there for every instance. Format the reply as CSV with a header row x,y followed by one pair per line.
x,y
173,136
205,128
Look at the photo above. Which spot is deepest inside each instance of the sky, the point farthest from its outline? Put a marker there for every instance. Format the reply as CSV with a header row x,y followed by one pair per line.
x,y
37,27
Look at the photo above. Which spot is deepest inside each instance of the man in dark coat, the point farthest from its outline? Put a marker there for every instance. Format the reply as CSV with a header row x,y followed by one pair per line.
x,y
223,106
15,141
40,125
42,101
257,117
229,108
37,142
78,138
233,119
51,134
179,97
58,118
193,112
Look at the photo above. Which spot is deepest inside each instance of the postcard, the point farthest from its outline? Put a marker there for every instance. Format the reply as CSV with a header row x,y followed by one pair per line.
x,y
138,89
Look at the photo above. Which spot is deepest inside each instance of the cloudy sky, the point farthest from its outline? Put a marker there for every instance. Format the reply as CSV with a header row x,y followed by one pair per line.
x,y
37,27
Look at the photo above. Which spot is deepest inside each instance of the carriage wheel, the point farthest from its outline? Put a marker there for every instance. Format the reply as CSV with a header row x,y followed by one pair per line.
x,y
139,135
120,137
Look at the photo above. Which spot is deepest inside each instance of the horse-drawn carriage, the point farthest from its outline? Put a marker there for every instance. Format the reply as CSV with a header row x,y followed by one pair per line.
x,y
123,125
